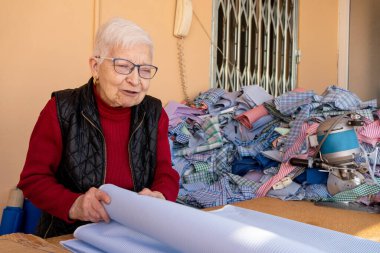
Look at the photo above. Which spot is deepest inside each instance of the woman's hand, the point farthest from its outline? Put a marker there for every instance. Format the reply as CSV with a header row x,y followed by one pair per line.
x,y
88,207
148,192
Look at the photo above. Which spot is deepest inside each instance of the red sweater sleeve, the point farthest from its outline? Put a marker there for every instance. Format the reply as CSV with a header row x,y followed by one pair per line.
x,y
37,180
166,179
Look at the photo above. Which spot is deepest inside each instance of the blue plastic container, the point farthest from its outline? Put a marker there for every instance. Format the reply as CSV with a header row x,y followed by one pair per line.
x,y
12,220
32,215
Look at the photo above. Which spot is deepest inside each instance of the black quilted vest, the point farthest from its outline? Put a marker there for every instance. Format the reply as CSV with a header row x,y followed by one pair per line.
x,y
83,164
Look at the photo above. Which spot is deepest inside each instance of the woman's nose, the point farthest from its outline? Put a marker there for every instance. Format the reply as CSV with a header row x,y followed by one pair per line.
x,y
134,77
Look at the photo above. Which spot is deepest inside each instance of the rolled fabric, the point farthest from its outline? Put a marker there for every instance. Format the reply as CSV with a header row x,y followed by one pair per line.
x,y
251,116
146,224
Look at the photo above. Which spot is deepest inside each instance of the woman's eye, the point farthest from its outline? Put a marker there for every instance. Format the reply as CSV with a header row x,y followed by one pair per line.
x,y
124,66
145,70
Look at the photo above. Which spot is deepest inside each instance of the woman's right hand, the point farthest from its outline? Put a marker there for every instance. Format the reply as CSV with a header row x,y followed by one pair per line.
x,y
88,207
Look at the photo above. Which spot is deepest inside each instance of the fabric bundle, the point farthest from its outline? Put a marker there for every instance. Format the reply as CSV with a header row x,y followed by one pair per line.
x,y
211,147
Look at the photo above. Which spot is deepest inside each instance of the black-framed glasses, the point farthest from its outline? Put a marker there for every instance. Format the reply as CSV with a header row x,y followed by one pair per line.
x,y
125,67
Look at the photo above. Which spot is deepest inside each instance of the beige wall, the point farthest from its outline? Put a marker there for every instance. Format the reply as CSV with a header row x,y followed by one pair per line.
x,y
45,45
318,40
364,49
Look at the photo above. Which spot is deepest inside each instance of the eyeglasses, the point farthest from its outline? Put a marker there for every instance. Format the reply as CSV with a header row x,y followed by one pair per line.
x,y
125,67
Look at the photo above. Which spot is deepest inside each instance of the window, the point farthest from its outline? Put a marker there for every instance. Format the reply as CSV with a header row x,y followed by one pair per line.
x,y
255,42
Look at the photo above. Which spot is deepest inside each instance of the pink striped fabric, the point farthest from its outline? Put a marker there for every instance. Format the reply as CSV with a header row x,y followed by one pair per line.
x,y
305,131
251,116
286,167
370,133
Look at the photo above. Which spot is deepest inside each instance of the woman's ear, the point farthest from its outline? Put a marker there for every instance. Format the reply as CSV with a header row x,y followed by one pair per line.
x,y
94,66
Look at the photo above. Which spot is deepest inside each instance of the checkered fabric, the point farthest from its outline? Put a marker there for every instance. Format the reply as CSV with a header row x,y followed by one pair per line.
x,y
201,166
210,97
353,194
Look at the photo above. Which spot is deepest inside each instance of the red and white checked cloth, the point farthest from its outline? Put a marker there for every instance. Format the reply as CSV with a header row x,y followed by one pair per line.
x,y
286,167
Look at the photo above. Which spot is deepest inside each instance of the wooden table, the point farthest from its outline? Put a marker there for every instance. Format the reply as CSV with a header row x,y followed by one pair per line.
x,y
57,239
361,224
27,243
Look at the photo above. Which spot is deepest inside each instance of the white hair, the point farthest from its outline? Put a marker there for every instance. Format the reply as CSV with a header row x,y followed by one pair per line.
x,y
119,32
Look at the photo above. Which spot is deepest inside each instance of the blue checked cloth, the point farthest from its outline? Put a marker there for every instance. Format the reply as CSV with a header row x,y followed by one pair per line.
x,y
181,134
209,97
213,135
222,192
302,104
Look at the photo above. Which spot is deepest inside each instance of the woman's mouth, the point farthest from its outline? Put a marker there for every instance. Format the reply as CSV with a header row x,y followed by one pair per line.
x,y
130,92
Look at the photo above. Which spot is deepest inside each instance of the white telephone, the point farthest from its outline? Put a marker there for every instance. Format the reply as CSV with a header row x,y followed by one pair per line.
x,y
183,16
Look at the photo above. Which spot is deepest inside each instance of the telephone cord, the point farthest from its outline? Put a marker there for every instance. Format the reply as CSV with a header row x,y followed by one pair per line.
x,y
181,62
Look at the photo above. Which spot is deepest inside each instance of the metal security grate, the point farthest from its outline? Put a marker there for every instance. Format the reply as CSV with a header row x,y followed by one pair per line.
x,y
255,42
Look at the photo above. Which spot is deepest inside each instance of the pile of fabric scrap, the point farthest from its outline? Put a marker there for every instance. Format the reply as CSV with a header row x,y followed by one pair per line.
x,y
234,146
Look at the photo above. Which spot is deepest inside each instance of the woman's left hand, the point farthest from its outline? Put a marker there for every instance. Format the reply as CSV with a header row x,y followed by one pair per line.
x,y
148,192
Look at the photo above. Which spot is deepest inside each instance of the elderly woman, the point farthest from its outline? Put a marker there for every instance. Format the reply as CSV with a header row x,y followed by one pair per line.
x,y
106,131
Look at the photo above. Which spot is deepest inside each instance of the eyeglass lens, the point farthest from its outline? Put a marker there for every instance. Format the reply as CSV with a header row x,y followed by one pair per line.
x,y
125,67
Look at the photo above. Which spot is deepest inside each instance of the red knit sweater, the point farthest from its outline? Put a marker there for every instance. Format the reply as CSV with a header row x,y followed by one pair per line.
x,y
37,180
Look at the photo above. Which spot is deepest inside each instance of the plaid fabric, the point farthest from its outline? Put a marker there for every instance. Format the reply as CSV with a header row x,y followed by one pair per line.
x,y
296,171
223,158
214,138
208,172
342,99
353,194
181,134
196,177
203,148
209,97
245,182
225,118
180,164
222,192
370,133
371,152
211,182
285,169
201,157
212,130
300,140
255,95
301,104
192,187
296,125
367,113
369,104
262,143
316,192
288,103
201,166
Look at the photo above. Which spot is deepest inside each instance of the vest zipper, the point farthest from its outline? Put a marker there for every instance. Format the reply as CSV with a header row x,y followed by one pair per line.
x,y
49,227
104,146
129,152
